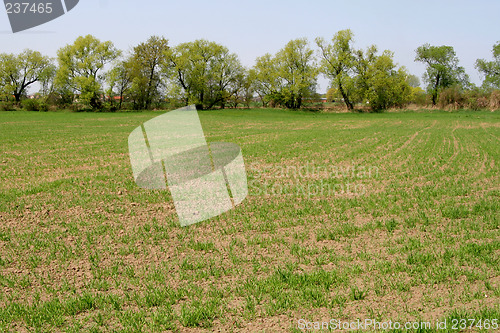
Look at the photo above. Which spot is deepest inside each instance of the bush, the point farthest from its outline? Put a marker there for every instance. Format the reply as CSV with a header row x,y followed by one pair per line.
x,y
477,103
451,98
7,106
42,106
476,99
31,105
494,100
59,100
109,107
419,97
76,107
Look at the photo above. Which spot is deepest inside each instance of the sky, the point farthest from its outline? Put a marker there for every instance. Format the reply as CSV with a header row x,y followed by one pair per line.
x,y
253,28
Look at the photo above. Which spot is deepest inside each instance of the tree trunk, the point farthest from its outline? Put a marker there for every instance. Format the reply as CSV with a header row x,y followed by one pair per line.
x,y
121,100
435,92
434,98
347,102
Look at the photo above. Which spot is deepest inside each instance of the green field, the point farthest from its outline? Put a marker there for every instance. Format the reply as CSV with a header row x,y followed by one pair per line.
x,y
392,216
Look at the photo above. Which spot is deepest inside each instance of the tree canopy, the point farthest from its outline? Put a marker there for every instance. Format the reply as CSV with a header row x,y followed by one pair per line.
x,y
359,76
81,67
442,68
205,73
93,73
338,63
18,72
491,69
145,66
288,77
265,80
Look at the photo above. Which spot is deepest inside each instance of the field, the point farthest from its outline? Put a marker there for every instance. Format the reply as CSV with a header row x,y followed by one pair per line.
x,y
392,216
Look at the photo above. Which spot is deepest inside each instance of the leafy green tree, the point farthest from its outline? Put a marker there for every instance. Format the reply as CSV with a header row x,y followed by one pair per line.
x,y
18,72
265,79
241,90
120,80
363,76
363,71
206,72
147,70
81,67
442,69
297,71
331,95
491,69
247,92
378,81
226,80
387,86
413,81
338,64
288,77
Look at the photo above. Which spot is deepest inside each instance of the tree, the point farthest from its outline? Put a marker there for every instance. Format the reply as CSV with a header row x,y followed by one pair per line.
x,y
413,81
378,81
297,71
227,78
331,95
364,70
206,72
81,65
442,68
120,78
265,79
491,69
338,63
241,90
363,76
387,85
147,61
288,77
19,72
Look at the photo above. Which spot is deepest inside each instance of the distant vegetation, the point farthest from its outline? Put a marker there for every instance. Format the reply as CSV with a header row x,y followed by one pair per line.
x,y
94,75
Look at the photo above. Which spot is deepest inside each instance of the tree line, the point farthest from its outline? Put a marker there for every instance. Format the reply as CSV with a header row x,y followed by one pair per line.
x,y
91,74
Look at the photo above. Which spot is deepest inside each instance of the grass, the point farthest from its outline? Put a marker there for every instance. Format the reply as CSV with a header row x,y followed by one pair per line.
x,y
389,216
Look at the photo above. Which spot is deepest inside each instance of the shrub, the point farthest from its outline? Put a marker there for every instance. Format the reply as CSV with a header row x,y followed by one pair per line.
x,y
30,105
451,98
419,97
76,107
476,99
109,107
7,106
42,106
477,103
494,100
60,100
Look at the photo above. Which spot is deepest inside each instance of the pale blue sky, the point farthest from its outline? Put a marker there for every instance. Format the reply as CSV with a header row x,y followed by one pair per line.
x,y
252,28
